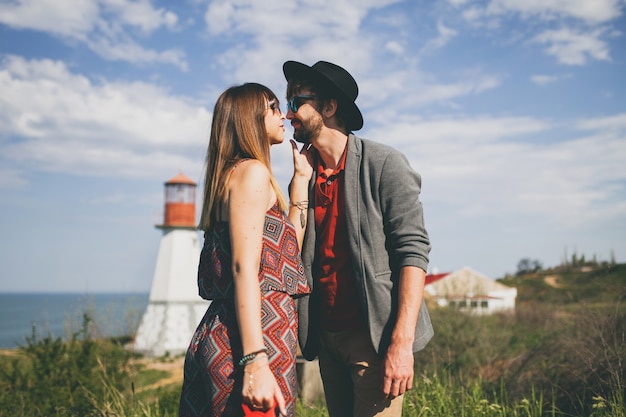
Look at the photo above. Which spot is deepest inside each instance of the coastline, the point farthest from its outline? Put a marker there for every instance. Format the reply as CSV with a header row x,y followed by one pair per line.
x,y
62,314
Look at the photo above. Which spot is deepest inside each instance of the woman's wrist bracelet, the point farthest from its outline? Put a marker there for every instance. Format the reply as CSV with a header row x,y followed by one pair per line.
x,y
250,356
258,356
301,205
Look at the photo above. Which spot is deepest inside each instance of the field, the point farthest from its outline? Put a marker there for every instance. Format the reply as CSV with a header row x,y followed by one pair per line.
x,y
562,353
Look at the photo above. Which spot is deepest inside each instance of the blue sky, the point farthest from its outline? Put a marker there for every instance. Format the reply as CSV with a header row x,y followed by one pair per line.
x,y
513,112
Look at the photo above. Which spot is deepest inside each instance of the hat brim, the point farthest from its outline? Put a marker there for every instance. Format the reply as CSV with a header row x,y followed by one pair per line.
x,y
298,70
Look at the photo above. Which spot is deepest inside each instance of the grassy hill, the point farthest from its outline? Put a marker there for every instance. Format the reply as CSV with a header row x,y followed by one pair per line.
x,y
565,343
561,353
569,286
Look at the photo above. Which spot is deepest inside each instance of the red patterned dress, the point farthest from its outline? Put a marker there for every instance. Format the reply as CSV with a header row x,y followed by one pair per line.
x,y
213,380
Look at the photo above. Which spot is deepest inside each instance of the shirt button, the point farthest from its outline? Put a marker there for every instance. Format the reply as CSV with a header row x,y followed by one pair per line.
x,y
329,182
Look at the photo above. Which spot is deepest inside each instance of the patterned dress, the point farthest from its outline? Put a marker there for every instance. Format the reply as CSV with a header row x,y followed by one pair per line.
x,y
213,380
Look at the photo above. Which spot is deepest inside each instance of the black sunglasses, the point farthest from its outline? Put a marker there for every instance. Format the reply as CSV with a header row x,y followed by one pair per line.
x,y
296,101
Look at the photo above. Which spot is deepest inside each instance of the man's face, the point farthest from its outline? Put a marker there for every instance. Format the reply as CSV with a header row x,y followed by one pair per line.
x,y
305,119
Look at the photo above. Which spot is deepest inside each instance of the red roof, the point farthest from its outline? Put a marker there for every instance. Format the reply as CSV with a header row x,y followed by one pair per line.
x,y
181,179
430,278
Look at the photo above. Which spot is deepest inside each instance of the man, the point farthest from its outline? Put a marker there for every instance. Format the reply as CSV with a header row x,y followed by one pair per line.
x,y
365,251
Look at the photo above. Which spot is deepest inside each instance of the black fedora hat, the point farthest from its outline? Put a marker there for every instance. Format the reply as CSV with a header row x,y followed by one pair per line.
x,y
331,75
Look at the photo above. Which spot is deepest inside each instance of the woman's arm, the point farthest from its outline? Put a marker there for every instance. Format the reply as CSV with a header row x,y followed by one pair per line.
x,y
299,189
249,197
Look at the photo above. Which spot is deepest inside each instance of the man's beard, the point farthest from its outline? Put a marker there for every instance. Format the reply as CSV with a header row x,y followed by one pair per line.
x,y
308,130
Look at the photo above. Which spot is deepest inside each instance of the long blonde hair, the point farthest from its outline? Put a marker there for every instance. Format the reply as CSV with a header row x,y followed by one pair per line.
x,y
237,132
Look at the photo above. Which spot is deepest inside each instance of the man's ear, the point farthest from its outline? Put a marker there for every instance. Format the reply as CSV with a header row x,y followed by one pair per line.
x,y
329,108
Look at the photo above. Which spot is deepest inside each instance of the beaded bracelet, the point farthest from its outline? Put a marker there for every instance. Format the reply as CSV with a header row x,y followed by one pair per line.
x,y
256,358
250,356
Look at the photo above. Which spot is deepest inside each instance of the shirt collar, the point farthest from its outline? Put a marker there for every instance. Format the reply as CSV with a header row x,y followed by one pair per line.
x,y
340,167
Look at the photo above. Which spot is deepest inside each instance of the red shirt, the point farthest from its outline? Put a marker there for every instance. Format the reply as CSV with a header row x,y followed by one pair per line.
x,y
340,305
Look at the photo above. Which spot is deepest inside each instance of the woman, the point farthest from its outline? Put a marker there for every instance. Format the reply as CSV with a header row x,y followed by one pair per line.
x,y
243,351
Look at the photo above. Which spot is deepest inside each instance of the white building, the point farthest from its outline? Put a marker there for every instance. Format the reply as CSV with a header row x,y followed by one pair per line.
x,y
175,308
470,291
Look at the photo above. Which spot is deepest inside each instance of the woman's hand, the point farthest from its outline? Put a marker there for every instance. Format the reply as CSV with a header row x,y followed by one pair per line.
x,y
260,389
302,161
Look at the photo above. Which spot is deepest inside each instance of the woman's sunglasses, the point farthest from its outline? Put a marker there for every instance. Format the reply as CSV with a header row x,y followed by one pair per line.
x,y
273,106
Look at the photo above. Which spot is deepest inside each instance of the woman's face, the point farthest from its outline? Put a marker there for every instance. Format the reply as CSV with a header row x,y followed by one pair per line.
x,y
274,123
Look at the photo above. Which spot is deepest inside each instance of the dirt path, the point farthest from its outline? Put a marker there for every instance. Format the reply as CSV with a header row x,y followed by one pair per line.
x,y
174,368
551,280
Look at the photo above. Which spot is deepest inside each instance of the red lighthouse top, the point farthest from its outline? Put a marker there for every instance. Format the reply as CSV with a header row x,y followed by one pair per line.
x,y
180,202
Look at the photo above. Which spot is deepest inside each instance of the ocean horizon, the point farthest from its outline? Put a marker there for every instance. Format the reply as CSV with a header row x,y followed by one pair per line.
x,y
61,314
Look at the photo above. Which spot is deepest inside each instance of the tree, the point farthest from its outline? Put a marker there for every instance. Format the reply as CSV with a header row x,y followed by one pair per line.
x,y
526,265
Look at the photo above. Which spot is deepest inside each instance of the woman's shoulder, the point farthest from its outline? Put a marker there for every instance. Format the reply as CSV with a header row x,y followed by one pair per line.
x,y
249,174
249,167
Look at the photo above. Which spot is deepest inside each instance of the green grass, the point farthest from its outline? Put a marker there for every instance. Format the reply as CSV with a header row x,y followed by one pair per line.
x,y
147,377
563,353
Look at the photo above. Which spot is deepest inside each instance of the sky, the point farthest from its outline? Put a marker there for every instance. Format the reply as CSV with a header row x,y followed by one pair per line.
x,y
512,111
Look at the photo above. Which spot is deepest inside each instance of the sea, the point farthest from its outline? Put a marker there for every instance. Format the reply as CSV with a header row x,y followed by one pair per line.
x,y
40,315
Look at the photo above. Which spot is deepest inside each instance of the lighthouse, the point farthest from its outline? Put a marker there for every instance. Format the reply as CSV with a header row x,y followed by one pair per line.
x,y
175,308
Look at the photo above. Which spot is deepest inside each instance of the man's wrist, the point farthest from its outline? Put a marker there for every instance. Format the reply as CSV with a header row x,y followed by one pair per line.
x,y
402,338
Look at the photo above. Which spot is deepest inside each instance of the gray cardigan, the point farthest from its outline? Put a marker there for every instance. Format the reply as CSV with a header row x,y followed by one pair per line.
x,y
386,232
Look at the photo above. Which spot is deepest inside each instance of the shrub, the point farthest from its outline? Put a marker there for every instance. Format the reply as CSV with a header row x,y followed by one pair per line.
x,y
51,377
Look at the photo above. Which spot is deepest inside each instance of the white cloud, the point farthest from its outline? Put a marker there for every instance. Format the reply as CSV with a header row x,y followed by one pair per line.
x,y
105,26
483,131
289,20
394,47
540,79
304,30
574,48
444,92
97,159
445,34
574,31
131,51
66,122
218,17
610,123
593,12
140,14
262,61
473,14
483,166
72,18
76,18
409,89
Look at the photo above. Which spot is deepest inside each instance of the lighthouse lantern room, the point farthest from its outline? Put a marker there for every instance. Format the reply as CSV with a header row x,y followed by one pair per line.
x,y
175,308
180,202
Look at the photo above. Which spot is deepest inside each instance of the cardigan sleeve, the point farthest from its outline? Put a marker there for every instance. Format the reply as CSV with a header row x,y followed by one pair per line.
x,y
403,217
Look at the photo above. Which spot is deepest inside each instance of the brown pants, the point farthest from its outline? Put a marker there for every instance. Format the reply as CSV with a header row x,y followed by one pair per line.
x,y
352,376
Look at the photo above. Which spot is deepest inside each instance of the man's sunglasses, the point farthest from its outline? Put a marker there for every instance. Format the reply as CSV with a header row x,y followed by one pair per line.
x,y
296,101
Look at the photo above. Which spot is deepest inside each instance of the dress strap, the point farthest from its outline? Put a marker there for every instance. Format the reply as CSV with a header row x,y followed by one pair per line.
x,y
236,164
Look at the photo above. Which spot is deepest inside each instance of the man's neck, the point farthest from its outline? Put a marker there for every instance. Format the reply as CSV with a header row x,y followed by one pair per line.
x,y
330,145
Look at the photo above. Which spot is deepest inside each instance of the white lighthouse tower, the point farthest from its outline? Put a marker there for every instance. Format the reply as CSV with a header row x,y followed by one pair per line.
x,y
175,308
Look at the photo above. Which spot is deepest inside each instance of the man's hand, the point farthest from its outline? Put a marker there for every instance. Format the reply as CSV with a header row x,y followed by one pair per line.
x,y
398,370
398,363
